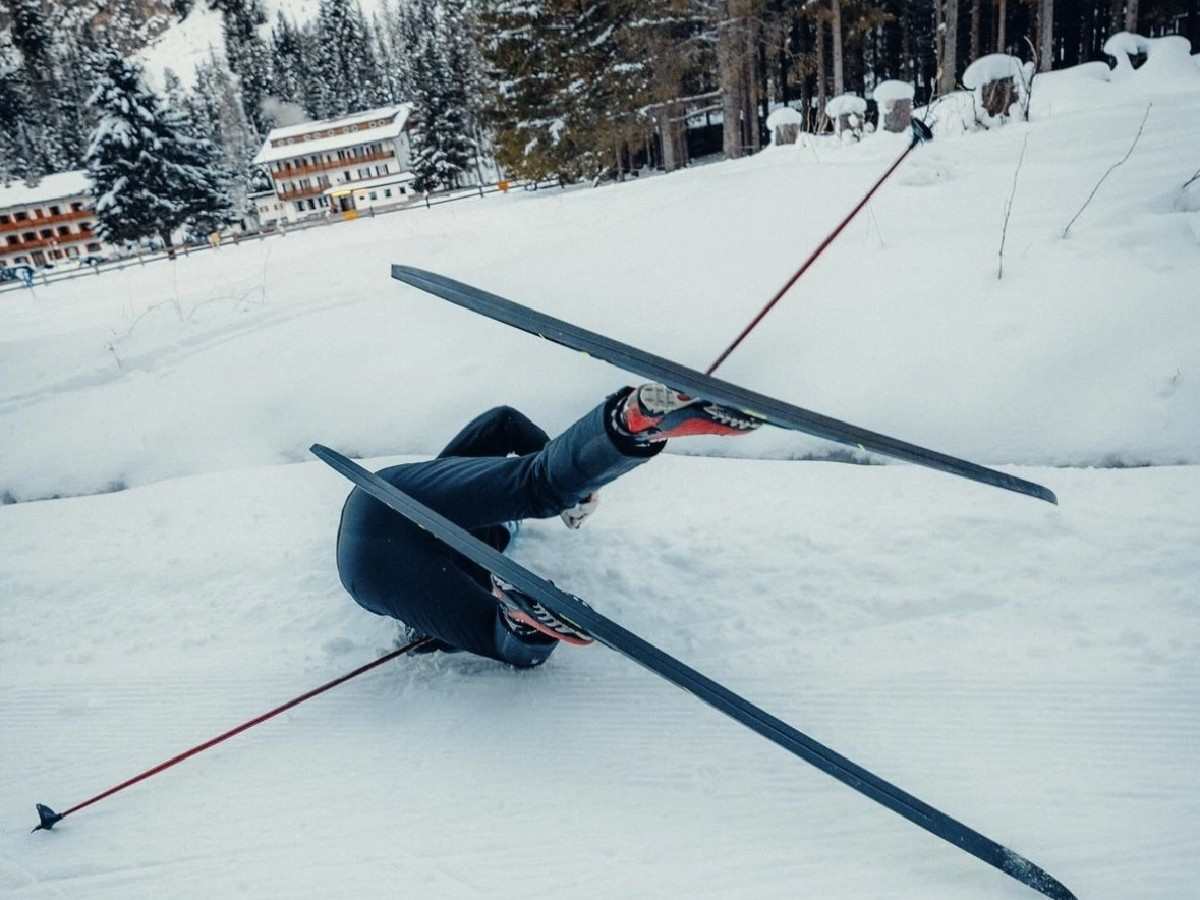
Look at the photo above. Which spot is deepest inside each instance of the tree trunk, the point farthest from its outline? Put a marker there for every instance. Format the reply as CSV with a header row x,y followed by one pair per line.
x,y
732,70
1131,16
976,13
949,77
821,99
839,75
1001,22
1046,34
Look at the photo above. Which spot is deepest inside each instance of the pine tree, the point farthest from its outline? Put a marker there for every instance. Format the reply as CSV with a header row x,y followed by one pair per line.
x,y
249,58
217,113
150,177
347,68
288,62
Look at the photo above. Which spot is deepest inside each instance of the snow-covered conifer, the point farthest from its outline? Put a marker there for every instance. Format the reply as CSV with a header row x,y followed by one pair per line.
x,y
150,177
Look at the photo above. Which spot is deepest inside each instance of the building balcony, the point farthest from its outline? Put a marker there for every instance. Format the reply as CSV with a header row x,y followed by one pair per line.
x,y
300,171
59,240
301,193
26,224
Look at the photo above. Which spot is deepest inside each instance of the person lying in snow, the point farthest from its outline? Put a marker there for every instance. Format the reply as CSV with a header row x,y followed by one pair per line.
x,y
391,567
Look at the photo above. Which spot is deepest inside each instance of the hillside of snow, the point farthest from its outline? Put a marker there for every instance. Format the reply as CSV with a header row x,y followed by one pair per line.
x,y
187,43
1030,669
1086,353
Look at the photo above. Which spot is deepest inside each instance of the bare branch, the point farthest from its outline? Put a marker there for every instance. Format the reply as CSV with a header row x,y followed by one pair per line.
x,y
1115,165
1008,206
1191,181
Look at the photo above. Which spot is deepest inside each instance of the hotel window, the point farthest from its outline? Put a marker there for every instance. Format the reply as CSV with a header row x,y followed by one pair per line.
x,y
76,207
21,217
64,229
93,248
13,239
4,219
55,211
47,232
387,193
374,196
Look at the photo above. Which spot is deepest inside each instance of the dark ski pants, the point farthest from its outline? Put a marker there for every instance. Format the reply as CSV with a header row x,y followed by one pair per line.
x,y
393,568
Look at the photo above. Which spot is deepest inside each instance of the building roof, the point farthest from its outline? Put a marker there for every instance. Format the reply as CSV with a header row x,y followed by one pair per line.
x,y
397,115
368,184
52,187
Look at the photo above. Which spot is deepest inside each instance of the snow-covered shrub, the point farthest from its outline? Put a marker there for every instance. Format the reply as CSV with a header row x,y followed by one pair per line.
x,y
848,112
1001,85
895,100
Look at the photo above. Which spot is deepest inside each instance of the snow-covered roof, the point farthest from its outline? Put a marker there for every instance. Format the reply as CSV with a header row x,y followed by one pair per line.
x,y
888,92
369,183
52,187
845,104
993,67
785,115
396,116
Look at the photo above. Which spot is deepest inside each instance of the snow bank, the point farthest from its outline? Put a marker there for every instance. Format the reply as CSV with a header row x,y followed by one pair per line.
x,y
1169,64
1084,354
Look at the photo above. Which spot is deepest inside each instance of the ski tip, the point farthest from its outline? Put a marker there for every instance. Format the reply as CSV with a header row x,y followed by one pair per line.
x,y
49,818
1044,493
1034,876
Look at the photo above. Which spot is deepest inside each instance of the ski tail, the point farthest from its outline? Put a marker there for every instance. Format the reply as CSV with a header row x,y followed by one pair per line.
x,y
736,707
697,384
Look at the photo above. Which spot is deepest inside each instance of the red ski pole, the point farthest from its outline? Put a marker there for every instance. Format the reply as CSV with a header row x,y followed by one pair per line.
x,y
50,818
920,133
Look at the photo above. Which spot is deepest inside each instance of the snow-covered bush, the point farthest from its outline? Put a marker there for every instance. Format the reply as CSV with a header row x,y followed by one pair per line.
x,y
847,112
895,104
1001,85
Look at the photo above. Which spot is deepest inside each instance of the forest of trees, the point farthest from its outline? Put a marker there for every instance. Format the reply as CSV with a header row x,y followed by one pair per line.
x,y
562,88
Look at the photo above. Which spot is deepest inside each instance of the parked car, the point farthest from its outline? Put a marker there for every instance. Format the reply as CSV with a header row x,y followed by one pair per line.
x,y
17,273
92,261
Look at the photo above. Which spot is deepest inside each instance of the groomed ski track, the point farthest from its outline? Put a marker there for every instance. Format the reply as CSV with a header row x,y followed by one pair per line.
x,y
992,663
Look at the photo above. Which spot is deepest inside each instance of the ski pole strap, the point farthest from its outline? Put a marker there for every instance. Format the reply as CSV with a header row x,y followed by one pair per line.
x,y
49,818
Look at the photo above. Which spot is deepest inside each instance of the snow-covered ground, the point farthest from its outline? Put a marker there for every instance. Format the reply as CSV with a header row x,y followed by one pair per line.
x,y
1030,669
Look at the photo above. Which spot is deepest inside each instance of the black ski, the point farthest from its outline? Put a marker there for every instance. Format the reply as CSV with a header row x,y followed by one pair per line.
x,y
697,384
628,644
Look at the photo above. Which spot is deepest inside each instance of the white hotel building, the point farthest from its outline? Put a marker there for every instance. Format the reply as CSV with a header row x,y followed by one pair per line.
x,y
337,165
49,224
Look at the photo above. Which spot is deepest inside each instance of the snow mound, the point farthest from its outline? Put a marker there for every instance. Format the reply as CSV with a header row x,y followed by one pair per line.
x,y
845,105
1169,63
1125,44
785,115
888,92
